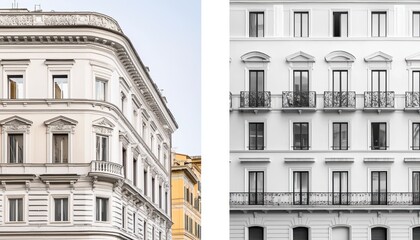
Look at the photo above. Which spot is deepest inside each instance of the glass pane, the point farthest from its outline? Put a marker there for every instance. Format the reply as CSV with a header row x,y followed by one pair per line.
x,y
65,209
15,86
305,182
260,25
252,81
375,181
260,182
260,79
416,181
252,25
344,32
296,179
305,81
336,24
297,25
100,90
104,209
305,142
383,183
20,209
416,24
375,136
305,27
256,233
382,79
57,209
344,131
375,27
296,135
60,151
416,80
336,81
382,25
296,81
344,181
382,135
12,210
60,86
260,136
336,182
344,81
416,136
104,148
336,136
375,81
15,148
98,209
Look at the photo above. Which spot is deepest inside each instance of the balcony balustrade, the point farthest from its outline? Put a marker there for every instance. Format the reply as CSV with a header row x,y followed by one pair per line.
x,y
377,99
288,199
339,99
104,167
412,99
299,99
254,99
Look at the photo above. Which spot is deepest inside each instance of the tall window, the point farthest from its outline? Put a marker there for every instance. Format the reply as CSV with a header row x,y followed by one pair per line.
x,y
123,217
158,152
256,233
15,148
301,88
134,223
378,141
416,24
379,233
166,202
300,136
379,21
416,81
123,100
378,81
143,130
101,147
256,88
100,86
61,209
60,151
340,136
416,233
124,161
153,189
160,196
379,188
340,24
135,171
101,209
61,86
300,233
256,136
256,188
144,229
15,86
301,24
301,188
256,24
15,209
416,136
340,187
416,188
145,182
340,88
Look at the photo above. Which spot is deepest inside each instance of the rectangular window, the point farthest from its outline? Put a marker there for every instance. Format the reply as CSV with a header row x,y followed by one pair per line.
x,y
61,209
256,188
256,88
378,136
340,136
340,88
100,86
378,81
166,202
15,86
379,188
416,136
134,222
160,196
416,81
61,86
340,24
340,188
301,24
256,136
60,148
124,161
379,24
135,171
416,24
300,188
256,24
101,147
145,182
153,189
144,229
15,148
416,188
101,209
300,136
123,218
15,209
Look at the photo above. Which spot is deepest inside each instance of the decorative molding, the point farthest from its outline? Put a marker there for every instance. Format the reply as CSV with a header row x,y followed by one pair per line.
x,y
339,56
300,57
16,124
15,62
299,160
103,126
255,56
413,160
136,150
153,126
59,178
59,62
379,57
254,160
124,138
378,160
339,160
60,123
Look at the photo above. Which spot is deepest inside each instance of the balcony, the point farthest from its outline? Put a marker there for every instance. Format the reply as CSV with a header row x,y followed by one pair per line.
x,y
107,170
340,101
412,101
252,100
379,100
299,101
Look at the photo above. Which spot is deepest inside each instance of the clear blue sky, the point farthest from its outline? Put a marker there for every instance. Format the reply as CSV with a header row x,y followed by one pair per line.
x,y
166,34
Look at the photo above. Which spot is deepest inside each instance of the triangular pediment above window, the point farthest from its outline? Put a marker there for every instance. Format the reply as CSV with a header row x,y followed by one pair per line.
x,y
300,57
379,57
16,121
255,56
413,58
339,56
103,122
60,120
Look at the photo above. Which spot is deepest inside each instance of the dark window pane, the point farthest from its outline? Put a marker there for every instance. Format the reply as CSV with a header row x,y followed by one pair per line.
x,y
300,233
15,148
378,136
256,24
256,233
379,233
416,233
60,148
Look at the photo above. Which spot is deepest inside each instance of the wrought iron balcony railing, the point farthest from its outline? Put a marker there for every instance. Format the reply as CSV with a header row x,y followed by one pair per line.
x,y
379,99
299,99
254,99
107,167
412,99
339,99
324,198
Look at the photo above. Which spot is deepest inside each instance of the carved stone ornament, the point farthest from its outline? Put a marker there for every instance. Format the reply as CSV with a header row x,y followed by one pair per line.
x,y
124,138
136,150
16,124
60,123
103,126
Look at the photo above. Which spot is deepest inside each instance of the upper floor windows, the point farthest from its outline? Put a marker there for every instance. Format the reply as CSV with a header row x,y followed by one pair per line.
x,y
256,136
301,24
102,147
256,24
16,88
340,24
100,87
256,187
15,148
416,136
60,152
340,136
416,24
379,24
301,136
378,136
61,86
61,209
416,81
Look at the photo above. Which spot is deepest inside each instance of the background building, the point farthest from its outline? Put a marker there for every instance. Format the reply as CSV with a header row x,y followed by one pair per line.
x,y
186,196
324,119
85,132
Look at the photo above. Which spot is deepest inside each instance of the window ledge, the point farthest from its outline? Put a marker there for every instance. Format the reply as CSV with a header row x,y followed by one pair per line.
x,y
301,160
254,160
341,160
411,160
383,160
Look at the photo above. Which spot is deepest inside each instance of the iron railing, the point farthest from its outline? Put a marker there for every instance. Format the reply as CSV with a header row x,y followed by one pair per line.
x,y
412,99
107,167
375,99
299,99
324,198
254,99
339,99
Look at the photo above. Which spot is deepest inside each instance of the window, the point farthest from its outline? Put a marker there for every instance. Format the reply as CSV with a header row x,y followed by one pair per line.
x,y
135,172
15,86
158,152
379,233
416,136
101,209
300,233
123,99
152,140
15,148
416,24
256,233
378,81
256,136
340,233
301,24
416,81
256,188
101,147
301,188
160,196
256,24
100,86
144,229
416,188
153,189
379,187
123,218
61,87
301,88
61,209
379,28
378,136
340,136
256,88
143,130
134,223
300,136
15,209
340,88
166,202
145,182
340,24
416,233
60,148
340,187
124,161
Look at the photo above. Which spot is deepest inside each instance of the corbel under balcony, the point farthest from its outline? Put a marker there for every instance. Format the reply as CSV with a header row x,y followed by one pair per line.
x,y
339,160
378,160
299,160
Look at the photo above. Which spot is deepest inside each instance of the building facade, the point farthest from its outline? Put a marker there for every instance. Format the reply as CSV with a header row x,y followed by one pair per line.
x,y
186,197
85,132
324,119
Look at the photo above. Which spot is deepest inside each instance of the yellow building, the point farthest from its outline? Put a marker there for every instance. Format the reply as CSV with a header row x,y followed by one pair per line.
x,y
186,197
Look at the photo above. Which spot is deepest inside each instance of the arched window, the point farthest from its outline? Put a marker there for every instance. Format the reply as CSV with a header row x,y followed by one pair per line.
x,y
340,233
300,233
416,233
379,233
256,233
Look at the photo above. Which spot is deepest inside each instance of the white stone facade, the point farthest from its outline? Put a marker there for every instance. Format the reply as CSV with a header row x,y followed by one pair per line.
x,y
85,133
282,125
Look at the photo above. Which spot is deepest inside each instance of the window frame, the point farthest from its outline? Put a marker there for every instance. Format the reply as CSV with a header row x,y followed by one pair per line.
x,y
413,25
8,154
340,137
61,150
257,13
24,209
379,202
386,147
60,76
301,13
333,20
107,209
300,201
412,136
53,197
8,77
105,83
256,202
379,13
300,134
101,136
340,193
256,136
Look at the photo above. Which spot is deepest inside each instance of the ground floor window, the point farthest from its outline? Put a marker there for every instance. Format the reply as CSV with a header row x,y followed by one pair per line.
x,y
300,233
379,233
256,233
